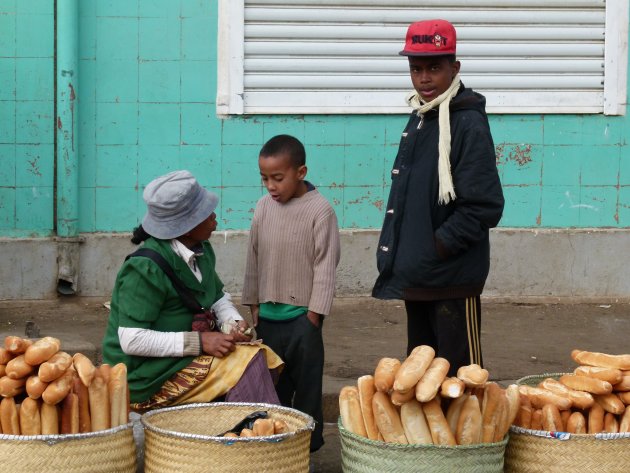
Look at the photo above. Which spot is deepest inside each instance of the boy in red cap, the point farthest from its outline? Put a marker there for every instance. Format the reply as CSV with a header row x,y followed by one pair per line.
x,y
434,250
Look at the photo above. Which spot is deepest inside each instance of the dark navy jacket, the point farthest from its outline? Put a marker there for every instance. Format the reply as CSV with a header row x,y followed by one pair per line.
x,y
429,251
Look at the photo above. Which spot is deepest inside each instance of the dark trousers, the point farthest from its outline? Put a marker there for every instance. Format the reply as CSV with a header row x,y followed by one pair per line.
x,y
452,327
300,344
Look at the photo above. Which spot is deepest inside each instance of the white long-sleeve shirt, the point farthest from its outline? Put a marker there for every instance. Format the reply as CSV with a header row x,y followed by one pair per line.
x,y
145,342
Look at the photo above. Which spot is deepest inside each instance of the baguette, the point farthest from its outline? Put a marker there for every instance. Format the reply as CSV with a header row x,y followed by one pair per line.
x,y
17,345
30,420
430,383
9,418
42,350
469,425
99,403
118,395
58,389
613,376
5,356
398,399
365,386
551,419
611,425
11,387
501,427
624,423
54,367
480,393
385,373
280,427
35,387
440,431
539,397
576,424
413,368
564,415
104,371
454,411
18,368
579,399
537,419
78,388
50,419
513,397
586,383
414,423
387,419
623,385
262,427
620,362
611,403
596,419
473,375
452,387
84,367
625,397
524,415
491,411
247,433
350,411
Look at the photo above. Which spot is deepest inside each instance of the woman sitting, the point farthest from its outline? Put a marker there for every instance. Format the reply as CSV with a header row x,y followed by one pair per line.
x,y
175,354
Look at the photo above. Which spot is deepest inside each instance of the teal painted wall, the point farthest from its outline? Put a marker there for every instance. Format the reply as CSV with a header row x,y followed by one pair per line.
x,y
26,117
147,86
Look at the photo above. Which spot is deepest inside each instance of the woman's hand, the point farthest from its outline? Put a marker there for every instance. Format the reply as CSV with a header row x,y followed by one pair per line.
x,y
217,344
243,332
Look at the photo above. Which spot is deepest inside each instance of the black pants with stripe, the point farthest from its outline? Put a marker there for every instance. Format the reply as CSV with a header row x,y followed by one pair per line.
x,y
452,327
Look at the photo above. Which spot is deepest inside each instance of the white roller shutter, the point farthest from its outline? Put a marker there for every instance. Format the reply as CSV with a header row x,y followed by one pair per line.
x,y
334,56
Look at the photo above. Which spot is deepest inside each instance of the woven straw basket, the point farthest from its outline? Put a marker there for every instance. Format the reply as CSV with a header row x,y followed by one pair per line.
x,y
361,455
105,451
183,439
535,451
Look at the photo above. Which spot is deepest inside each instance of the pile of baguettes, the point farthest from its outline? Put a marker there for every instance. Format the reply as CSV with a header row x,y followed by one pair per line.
x,y
594,399
414,402
46,391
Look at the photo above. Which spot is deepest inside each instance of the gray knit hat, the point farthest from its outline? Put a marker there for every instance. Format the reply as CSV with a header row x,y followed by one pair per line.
x,y
176,203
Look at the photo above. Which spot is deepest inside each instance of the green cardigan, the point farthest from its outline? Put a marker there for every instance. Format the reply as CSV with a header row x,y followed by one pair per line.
x,y
144,297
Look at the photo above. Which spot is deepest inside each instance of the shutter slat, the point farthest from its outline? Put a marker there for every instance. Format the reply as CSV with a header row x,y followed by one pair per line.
x,y
363,82
393,102
403,16
431,3
374,33
399,65
389,49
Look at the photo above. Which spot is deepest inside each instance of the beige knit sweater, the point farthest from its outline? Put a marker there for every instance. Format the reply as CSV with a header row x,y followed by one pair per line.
x,y
293,253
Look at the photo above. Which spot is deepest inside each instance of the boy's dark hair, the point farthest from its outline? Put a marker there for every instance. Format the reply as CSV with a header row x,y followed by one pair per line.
x,y
285,144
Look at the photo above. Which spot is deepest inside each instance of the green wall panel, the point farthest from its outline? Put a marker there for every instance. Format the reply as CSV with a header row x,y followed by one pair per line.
x,y
26,118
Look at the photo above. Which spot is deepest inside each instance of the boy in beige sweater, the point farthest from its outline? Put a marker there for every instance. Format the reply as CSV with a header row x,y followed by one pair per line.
x,y
289,283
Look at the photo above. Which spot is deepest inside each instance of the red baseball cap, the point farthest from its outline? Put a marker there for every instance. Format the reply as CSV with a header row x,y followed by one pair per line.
x,y
430,38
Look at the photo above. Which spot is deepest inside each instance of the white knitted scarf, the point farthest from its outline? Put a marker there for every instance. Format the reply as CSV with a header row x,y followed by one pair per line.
x,y
446,190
